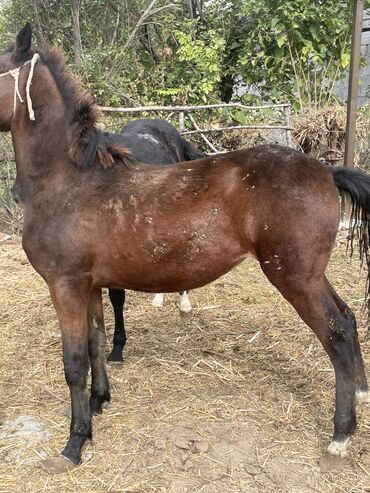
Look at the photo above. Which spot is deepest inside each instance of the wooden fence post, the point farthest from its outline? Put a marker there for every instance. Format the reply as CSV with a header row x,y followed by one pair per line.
x,y
288,131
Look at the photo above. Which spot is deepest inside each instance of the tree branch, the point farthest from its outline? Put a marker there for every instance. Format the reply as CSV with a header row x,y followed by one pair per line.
x,y
75,12
147,13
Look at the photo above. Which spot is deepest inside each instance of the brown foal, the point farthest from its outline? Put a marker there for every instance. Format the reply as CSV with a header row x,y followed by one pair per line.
x,y
93,218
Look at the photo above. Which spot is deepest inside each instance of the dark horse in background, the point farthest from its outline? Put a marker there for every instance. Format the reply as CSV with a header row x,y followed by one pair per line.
x,y
94,218
153,142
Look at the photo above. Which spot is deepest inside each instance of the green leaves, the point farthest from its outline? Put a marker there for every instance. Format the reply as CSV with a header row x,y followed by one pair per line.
x,y
344,60
201,70
281,39
284,49
239,117
302,41
314,31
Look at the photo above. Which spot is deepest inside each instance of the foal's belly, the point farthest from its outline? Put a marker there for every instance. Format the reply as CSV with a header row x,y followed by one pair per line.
x,y
167,262
165,277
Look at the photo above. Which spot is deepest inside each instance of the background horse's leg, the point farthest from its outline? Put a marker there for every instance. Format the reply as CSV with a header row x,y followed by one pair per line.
x,y
316,306
362,393
97,340
158,300
70,298
185,305
117,298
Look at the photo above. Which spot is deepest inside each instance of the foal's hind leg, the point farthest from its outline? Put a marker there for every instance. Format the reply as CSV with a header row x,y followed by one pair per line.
x,y
117,298
362,393
99,378
316,307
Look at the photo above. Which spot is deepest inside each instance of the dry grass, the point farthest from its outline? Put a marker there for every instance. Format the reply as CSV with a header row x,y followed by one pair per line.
x,y
245,378
321,133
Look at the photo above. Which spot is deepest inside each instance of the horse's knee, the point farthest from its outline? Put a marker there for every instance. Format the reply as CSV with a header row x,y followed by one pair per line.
x,y
76,367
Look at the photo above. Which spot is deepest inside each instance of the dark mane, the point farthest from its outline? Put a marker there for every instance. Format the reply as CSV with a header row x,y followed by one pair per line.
x,y
88,144
66,82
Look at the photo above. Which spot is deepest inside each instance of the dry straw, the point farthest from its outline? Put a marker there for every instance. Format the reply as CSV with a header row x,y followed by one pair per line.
x,y
321,133
237,399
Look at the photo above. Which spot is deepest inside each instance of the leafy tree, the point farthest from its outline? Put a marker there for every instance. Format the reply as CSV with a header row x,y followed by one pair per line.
x,y
172,51
287,50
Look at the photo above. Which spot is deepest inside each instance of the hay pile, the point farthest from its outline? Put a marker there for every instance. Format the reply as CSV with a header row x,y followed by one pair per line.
x,y
238,399
321,133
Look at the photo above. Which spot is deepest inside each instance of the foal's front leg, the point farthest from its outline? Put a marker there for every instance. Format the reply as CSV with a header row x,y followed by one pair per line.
x,y
70,298
97,340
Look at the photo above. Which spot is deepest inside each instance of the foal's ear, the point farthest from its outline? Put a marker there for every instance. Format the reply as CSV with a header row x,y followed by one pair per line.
x,y
23,41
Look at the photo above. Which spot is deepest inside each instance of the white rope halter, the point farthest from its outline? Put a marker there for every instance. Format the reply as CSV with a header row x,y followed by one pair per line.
x,y
15,72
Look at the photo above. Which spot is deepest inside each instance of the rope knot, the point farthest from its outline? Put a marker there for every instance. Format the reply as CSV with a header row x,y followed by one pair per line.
x,y
15,73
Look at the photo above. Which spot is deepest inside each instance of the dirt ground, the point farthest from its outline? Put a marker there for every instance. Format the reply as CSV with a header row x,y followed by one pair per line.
x,y
237,399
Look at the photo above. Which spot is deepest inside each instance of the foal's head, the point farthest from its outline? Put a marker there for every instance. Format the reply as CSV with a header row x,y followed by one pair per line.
x,y
15,56
53,84
23,65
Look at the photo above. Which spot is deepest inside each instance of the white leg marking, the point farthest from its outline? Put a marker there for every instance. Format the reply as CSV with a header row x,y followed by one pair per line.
x,y
338,448
158,300
362,397
185,305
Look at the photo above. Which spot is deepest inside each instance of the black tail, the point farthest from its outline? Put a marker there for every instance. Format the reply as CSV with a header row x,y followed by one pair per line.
x,y
190,153
356,185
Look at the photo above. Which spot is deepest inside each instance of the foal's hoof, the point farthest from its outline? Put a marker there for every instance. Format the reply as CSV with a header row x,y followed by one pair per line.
x,y
330,463
57,465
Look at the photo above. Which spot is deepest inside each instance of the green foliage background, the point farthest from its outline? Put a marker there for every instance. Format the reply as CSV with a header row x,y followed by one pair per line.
x,y
286,50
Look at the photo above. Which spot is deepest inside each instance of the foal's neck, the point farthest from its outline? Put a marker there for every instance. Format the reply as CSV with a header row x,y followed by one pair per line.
x,y
40,146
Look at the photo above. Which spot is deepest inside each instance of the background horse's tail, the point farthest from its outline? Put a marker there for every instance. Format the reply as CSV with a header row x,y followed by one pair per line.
x,y
190,153
356,185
